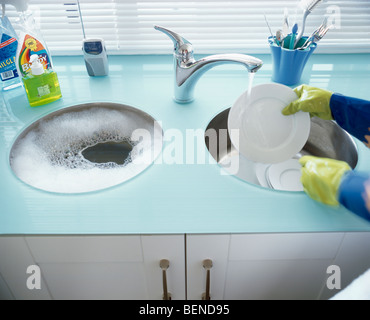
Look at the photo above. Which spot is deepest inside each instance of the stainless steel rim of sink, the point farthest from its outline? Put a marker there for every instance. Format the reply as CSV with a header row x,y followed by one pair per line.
x,y
86,141
327,139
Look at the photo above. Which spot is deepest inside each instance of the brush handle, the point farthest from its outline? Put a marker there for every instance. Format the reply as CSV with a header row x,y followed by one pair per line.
x,y
310,5
301,31
20,5
292,39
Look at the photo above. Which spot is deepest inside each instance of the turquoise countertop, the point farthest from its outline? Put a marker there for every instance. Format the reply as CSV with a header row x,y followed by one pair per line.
x,y
171,198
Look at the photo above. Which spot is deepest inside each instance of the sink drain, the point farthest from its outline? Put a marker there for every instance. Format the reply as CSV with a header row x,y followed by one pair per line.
x,y
109,152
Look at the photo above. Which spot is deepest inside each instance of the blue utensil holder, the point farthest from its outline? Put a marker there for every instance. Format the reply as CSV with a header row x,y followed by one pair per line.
x,y
288,65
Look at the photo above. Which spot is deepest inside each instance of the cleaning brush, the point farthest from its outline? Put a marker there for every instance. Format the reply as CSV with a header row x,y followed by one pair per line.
x,y
309,5
293,37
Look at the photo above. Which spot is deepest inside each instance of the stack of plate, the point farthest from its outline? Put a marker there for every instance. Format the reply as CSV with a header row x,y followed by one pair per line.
x,y
281,176
263,135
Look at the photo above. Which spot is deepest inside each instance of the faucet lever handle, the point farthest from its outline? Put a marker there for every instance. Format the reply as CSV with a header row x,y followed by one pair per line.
x,y
177,40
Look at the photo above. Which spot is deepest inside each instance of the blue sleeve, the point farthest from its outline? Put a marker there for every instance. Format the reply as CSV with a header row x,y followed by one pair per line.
x,y
354,193
353,115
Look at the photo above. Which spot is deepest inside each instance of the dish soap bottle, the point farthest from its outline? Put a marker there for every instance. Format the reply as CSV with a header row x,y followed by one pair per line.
x,y
41,85
8,47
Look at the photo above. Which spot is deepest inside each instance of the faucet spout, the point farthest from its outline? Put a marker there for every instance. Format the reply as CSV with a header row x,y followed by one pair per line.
x,y
188,73
188,70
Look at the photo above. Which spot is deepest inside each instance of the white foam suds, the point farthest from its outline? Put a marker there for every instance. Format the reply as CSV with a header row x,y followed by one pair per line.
x,y
50,156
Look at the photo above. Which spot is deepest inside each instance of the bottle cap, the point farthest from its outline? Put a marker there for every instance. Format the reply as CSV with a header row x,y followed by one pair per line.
x,y
20,5
37,68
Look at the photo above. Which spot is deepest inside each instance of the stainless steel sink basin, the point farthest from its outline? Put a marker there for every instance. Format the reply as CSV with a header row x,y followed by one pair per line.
x,y
86,148
326,139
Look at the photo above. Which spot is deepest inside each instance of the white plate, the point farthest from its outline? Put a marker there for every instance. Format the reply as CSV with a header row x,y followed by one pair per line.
x,y
286,175
261,174
260,131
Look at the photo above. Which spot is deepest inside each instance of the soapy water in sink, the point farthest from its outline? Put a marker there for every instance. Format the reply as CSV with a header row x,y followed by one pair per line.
x,y
51,157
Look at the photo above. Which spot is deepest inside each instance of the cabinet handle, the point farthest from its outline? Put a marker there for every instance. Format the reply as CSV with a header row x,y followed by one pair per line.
x,y
164,264
207,265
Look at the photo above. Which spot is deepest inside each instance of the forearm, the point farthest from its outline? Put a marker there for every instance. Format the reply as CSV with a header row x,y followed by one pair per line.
x,y
354,193
353,115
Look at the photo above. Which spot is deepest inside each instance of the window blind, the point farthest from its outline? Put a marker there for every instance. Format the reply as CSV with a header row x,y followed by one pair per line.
x,y
211,26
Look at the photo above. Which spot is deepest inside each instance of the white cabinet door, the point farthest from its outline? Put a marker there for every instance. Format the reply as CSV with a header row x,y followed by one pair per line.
x,y
171,248
200,248
261,266
15,259
5,293
109,267
353,259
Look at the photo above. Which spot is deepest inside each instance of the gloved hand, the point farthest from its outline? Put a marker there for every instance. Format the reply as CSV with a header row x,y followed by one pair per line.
x,y
313,100
321,178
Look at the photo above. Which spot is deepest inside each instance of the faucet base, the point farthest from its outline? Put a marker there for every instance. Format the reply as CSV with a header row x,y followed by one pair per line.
x,y
179,101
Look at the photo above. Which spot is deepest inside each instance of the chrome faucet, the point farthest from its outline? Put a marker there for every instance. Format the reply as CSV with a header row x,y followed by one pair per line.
x,y
188,70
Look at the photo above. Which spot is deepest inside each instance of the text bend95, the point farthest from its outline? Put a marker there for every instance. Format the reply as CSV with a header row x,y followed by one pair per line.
x,y
185,309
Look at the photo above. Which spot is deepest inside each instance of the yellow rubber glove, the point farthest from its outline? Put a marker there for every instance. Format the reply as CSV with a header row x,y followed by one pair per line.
x,y
313,100
321,178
